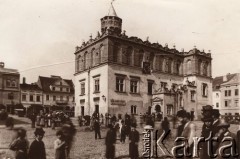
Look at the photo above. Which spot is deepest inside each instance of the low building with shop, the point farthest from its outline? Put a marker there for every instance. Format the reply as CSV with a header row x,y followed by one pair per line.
x,y
57,93
9,88
31,97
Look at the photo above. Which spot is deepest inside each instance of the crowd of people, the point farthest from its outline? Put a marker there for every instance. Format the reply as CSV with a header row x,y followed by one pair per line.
x,y
47,120
62,145
213,127
123,127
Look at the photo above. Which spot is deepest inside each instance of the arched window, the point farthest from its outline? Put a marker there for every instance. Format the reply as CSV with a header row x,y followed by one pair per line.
x,y
124,56
158,63
166,65
205,69
178,65
116,50
138,58
102,58
129,55
189,67
200,67
151,59
170,61
88,60
84,60
78,63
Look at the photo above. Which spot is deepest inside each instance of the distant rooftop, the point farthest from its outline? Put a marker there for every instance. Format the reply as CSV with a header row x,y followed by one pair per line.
x,y
226,79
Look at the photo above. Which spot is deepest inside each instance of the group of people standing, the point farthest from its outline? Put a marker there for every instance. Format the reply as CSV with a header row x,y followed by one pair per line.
x,y
213,127
36,150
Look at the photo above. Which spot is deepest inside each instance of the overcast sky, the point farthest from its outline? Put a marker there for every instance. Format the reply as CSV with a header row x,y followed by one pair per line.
x,y
38,37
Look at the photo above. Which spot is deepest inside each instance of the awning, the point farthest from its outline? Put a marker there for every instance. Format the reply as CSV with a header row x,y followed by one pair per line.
x,y
19,106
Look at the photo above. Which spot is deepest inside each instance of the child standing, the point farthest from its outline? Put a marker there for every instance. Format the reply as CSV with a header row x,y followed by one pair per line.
x,y
60,146
37,148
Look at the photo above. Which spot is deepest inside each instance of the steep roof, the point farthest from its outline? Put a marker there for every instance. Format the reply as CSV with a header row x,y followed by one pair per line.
x,y
32,87
46,82
112,11
218,81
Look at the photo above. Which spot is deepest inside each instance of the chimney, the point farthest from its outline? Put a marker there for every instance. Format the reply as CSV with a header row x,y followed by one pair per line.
x,y
225,77
24,80
2,64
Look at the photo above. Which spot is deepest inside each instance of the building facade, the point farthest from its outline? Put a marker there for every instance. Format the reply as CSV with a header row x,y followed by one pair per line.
x,y
57,93
31,97
118,74
226,94
9,88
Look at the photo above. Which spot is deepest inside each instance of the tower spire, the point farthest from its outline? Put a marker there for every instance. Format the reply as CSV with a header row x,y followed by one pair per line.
x,y
112,11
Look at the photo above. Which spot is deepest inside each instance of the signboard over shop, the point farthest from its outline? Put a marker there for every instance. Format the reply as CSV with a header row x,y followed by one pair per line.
x,y
118,102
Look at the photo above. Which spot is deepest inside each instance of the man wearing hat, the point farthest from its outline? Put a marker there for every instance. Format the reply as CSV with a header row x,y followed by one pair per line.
x,y
206,131
134,139
223,133
37,148
215,128
110,141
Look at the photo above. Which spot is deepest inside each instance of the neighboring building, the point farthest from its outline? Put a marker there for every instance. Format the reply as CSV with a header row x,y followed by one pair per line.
x,y
31,97
226,94
9,88
58,93
118,74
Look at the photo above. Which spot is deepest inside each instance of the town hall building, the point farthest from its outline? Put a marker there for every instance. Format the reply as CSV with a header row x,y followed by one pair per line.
x,y
118,74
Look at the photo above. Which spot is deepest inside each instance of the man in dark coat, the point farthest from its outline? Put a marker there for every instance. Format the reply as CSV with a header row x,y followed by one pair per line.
x,y
97,129
215,128
133,145
37,148
110,141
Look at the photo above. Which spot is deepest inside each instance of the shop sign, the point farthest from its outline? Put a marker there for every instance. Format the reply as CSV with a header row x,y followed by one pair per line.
x,y
118,102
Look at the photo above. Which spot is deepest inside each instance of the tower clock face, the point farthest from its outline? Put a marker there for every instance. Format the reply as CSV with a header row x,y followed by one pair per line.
x,y
146,68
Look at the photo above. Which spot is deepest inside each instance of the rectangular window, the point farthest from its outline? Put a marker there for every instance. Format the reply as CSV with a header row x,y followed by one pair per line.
x,y
53,88
150,85
73,99
226,103
96,85
67,98
217,95
217,105
120,84
204,90
236,103
226,93
47,97
67,89
61,89
61,98
229,92
133,109
31,98
38,98
169,109
134,86
82,88
54,98
24,97
192,96
236,92
8,83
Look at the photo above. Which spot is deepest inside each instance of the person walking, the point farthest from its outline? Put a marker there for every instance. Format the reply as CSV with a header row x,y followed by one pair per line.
x,y
165,124
133,145
60,146
20,144
33,119
123,132
110,141
97,129
37,148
